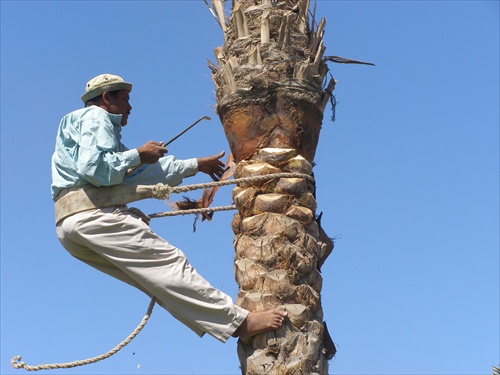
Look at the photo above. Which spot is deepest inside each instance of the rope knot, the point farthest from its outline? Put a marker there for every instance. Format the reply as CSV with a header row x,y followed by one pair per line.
x,y
161,191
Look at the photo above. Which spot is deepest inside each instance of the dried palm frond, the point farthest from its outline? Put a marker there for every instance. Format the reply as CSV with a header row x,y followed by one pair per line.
x,y
345,60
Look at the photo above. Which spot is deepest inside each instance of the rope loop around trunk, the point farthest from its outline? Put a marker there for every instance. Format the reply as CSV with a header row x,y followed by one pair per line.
x,y
162,191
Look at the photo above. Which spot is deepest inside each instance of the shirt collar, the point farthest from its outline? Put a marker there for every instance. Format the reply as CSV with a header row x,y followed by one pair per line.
x,y
115,119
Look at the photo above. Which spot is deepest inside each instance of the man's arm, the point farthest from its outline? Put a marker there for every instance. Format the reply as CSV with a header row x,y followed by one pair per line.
x,y
171,171
101,161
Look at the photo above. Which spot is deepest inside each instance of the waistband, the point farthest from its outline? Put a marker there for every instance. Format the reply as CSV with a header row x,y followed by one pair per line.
x,y
70,201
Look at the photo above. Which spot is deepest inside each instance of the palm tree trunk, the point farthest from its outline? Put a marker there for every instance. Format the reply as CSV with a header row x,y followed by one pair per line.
x,y
269,79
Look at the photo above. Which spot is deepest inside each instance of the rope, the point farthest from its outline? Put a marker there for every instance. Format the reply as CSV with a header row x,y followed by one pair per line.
x,y
162,191
17,363
192,211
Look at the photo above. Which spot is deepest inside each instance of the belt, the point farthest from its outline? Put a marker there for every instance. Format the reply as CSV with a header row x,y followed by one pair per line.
x,y
74,200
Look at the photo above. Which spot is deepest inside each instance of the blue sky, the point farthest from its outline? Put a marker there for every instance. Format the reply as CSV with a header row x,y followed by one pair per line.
x,y
407,180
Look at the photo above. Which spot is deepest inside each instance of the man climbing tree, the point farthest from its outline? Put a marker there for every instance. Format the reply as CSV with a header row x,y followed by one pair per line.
x,y
270,87
116,239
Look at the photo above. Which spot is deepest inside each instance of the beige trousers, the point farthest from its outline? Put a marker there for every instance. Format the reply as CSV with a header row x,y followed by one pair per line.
x,y
117,242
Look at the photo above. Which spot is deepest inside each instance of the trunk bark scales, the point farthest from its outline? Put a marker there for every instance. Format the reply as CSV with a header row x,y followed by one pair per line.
x,y
271,94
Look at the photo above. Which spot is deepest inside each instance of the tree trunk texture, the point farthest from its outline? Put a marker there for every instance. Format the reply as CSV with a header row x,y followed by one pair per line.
x,y
271,94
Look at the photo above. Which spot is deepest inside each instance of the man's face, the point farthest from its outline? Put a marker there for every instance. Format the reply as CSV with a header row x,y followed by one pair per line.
x,y
118,104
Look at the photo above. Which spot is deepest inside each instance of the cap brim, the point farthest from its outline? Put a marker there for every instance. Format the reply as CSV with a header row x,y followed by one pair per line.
x,y
115,86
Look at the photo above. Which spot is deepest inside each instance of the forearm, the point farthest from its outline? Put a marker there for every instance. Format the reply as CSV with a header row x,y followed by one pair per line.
x,y
168,170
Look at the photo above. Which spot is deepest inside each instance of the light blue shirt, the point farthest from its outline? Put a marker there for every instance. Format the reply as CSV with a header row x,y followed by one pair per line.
x,y
89,152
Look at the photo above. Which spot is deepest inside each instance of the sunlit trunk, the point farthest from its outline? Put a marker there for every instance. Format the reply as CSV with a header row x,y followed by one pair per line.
x,y
271,93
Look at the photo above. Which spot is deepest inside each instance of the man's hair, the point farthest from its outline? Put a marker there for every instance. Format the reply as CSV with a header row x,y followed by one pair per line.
x,y
97,99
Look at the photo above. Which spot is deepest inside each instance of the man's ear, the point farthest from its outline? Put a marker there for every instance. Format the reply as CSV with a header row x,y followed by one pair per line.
x,y
105,98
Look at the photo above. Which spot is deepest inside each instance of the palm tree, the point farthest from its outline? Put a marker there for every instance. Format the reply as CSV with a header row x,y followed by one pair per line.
x,y
271,91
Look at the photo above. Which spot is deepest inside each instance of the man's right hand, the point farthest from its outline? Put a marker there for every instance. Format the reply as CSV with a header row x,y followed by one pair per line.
x,y
151,152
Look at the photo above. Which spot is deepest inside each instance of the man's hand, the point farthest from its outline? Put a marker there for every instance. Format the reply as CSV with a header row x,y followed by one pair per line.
x,y
212,166
151,152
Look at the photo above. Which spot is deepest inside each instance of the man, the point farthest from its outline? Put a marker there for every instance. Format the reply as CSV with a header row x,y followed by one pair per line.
x,y
88,157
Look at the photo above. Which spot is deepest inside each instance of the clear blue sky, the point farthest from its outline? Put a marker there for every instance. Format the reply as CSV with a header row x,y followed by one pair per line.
x,y
408,180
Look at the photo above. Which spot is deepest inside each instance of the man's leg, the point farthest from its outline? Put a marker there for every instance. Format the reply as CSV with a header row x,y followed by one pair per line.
x,y
133,253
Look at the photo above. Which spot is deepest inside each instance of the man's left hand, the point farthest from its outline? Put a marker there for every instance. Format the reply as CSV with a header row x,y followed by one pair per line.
x,y
212,165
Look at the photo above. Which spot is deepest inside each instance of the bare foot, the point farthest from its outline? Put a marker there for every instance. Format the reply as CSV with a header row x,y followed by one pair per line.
x,y
259,322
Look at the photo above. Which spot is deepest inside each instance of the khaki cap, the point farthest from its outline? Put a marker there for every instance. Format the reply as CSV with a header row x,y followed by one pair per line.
x,y
104,82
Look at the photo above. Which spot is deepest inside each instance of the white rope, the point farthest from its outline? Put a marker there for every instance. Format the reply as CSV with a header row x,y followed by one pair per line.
x,y
162,191
192,211
18,364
